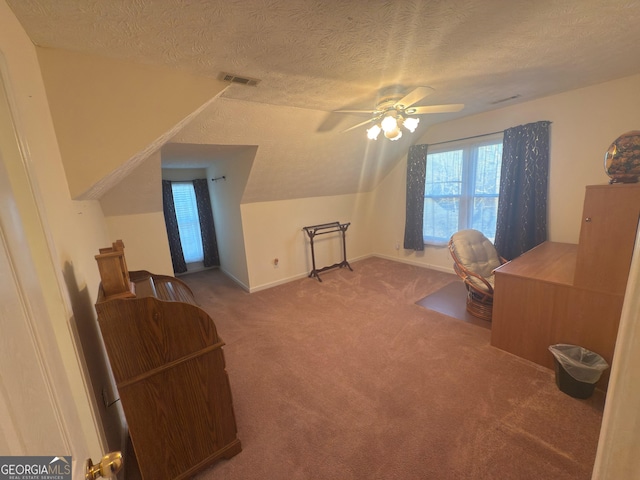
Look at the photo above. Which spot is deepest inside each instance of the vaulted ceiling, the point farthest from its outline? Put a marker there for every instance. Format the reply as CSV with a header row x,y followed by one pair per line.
x,y
313,57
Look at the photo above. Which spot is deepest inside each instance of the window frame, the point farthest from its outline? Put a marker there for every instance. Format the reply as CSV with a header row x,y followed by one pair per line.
x,y
467,183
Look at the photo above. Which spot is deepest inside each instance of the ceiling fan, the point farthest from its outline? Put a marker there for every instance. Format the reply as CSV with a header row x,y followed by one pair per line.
x,y
394,110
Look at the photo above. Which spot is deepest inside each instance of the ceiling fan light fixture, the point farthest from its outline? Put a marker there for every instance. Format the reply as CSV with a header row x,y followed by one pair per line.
x,y
397,110
373,132
411,123
389,124
393,134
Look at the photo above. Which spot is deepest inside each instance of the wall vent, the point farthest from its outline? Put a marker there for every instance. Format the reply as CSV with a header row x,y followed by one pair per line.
x,y
232,78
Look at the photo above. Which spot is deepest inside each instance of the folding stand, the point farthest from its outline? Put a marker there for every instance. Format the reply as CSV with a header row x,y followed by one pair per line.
x,y
322,229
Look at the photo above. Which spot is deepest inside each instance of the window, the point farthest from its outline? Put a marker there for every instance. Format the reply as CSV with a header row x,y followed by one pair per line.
x,y
184,199
462,185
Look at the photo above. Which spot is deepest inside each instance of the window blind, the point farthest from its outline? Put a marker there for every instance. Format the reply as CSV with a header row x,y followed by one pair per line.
x,y
184,199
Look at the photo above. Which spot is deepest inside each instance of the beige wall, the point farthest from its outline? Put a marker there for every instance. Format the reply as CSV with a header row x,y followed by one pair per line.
x,y
274,230
97,102
146,246
585,122
225,202
183,174
139,192
134,214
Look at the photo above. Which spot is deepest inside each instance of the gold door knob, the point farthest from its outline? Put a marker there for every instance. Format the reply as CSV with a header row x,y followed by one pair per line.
x,y
108,467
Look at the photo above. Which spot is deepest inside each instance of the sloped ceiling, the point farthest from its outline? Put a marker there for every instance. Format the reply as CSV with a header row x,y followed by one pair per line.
x,y
313,57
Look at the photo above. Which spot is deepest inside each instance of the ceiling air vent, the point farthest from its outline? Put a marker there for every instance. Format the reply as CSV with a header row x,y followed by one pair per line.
x,y
230,77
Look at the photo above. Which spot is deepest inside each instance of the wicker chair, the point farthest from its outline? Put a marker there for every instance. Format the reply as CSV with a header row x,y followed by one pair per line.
x,y
475,258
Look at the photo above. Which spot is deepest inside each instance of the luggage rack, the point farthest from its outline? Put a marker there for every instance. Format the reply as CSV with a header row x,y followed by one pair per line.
x,y
323,229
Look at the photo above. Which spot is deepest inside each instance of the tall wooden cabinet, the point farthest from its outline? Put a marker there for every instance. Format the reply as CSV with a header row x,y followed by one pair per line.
x,y
567,293
607,235
168,363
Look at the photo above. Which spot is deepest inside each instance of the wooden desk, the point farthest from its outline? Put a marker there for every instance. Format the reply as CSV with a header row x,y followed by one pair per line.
x,y
565,293
167,360
550,262
536,304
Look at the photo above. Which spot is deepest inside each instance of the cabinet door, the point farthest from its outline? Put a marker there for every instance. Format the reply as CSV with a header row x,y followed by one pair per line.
x,y
607,235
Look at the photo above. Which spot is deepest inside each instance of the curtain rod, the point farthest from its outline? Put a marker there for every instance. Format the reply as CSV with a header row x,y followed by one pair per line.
x,y
468,138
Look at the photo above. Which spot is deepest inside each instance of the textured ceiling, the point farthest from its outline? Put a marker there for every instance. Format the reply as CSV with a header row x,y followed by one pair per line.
x,y
313,57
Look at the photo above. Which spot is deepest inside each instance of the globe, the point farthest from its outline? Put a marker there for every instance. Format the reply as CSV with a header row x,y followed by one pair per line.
x,y
622,160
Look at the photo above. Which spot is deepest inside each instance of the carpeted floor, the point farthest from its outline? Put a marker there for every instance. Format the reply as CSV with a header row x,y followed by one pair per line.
x,y
351,379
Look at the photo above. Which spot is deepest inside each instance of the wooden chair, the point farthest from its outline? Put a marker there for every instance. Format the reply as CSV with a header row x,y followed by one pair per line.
x,y
475,258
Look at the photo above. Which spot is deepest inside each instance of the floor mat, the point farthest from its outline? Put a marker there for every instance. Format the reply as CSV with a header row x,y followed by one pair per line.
x,y
451,300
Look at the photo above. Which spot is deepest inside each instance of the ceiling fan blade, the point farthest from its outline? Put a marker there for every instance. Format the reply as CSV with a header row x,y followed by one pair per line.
x,y
358,125
414,96
356,112
454,107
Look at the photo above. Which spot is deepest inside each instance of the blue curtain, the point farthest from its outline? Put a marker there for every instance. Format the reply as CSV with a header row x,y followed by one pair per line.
x,y
416,172
207,227
171,222
522,206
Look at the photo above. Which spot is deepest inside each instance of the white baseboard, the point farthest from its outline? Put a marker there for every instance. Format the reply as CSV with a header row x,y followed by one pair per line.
x,y
292,278
282,281
240,284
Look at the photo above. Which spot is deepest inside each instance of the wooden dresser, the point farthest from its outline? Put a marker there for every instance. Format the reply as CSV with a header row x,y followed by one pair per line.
x,y
169,367
567,293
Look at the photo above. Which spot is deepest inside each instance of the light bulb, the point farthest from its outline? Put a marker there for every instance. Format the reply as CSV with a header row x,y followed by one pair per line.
x,y
393,134
411,124
373,132
389,123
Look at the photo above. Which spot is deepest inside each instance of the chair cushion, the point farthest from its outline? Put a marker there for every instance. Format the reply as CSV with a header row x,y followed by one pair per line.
x,y
476,253
480,285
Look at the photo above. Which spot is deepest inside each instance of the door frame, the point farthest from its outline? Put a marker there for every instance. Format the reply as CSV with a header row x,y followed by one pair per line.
x,y
40,299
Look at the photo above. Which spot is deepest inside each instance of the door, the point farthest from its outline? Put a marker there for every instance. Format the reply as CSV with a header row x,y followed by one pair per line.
x,y
44,407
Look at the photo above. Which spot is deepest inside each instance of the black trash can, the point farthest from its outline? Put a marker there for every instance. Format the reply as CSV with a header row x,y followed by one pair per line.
x,y
577,369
